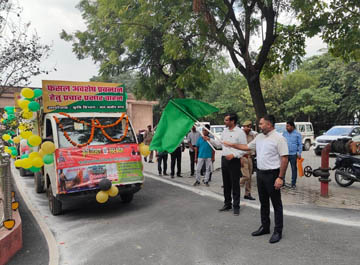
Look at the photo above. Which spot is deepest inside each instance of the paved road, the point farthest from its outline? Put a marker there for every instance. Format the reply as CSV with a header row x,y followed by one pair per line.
x,y
169,225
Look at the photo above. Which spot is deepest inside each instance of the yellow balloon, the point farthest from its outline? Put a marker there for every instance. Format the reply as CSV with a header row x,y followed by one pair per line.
x,y
23,104
113,191
33,155
34,140
16,139
144,150
7,150
18,163
6,137
48,148
27,115
102,196
41,153
27,92
26,134
21,127
26,163
37,162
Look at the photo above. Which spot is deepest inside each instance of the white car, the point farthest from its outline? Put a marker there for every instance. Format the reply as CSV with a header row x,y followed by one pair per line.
x,y
304,128
335,133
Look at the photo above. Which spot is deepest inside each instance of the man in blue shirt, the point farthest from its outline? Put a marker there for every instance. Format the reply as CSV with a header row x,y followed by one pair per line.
x,y
294,141
203,154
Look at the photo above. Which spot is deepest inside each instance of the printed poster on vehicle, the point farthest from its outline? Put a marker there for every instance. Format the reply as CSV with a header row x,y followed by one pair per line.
x,y
68,96
83,168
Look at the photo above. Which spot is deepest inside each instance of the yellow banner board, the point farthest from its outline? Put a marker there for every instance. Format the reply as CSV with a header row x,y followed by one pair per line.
x,y
69,96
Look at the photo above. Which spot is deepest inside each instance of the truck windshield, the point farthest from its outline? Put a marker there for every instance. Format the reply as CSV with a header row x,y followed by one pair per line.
x,y
80,133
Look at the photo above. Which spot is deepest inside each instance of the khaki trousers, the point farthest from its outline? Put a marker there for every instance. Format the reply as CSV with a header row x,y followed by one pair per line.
x,y
246,170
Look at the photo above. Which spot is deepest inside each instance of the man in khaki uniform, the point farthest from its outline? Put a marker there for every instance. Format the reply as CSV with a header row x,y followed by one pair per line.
x,y
147,140
247,161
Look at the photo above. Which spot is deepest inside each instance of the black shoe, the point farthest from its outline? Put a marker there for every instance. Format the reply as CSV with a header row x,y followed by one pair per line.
x,y
172,176
261,231
145,159
249,197
151,161
192,174
236,211
160,174
293,187
179,176
225,208
166,174
276,237
207,184
196,183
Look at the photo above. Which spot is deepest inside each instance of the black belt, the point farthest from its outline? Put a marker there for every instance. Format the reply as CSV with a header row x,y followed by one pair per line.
x,y
268,170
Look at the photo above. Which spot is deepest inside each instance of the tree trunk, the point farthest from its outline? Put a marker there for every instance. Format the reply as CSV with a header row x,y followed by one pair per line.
x,y
257,96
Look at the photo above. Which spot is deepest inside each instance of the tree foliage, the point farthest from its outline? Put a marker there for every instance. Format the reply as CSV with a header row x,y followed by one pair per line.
x,y
21,52
156,39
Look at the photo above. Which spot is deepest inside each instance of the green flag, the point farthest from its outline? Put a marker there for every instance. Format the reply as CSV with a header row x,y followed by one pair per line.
x,y
176,121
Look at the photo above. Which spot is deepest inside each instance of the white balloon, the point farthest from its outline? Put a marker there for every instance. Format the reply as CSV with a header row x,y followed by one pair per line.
x,y
23,143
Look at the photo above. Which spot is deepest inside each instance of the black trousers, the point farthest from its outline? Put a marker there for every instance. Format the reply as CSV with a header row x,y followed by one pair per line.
x,y
192,162
162,158
176,159
266,189
231,174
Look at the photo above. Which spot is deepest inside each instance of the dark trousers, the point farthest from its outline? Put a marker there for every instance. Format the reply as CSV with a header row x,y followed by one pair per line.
x,y
231,173
293,163
192,162
176,159
266,189
162,158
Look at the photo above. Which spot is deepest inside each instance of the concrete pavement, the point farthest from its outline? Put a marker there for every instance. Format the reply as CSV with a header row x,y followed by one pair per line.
x,y
342,205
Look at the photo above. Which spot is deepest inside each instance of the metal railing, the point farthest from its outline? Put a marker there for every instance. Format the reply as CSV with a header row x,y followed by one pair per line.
x,y
6,187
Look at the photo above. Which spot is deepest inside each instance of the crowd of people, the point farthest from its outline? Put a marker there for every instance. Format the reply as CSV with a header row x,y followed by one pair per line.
x,y
240,147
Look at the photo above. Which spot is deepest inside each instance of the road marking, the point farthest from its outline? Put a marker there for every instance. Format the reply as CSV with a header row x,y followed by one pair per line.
x,y
313,217
50,239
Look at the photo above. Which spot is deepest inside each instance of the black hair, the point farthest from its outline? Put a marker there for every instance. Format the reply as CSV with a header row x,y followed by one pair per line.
x,y
270,118
232,117
291,123
207,126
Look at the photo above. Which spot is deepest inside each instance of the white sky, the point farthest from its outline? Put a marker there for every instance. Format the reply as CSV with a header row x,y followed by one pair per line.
x,y
49,17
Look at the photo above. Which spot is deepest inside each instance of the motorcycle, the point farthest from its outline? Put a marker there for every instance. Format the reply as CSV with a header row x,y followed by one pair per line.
x,y
347,170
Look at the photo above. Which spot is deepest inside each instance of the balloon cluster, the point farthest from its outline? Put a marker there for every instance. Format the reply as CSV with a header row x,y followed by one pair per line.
x,y
9,116
28,104
106,190
144,149
35,160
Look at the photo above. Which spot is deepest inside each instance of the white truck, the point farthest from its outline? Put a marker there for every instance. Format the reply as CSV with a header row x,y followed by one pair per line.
x,y
94,140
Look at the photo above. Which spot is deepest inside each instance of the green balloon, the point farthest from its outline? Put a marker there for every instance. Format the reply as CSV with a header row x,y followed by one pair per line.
x,y
11,117
9,109
29,143
10,141
37,92
35,169
24,156
14,152
48,159
34,106
12,133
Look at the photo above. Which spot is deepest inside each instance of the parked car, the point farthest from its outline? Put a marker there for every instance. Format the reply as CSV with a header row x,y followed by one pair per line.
x,y
335,133
306,130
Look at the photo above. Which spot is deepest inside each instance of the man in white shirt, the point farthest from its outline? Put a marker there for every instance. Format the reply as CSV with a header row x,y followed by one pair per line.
x,y
230,163
192,138
272,159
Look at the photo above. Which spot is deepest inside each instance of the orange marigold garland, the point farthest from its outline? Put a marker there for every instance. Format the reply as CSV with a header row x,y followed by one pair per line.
x,y
93,126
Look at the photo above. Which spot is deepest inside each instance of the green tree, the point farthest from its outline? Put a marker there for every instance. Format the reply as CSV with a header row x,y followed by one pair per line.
x,y
21,52
155,39
236,25
338,24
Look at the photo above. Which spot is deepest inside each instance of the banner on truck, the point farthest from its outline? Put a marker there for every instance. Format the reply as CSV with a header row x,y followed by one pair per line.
x,y
68,96
83,168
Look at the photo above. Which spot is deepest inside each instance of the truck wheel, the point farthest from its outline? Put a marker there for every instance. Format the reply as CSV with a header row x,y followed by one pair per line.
x,y
39,183
307,145
127,197
54,204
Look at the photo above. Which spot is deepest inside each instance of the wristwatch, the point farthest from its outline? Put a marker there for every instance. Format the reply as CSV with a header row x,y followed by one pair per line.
x,y
281,177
